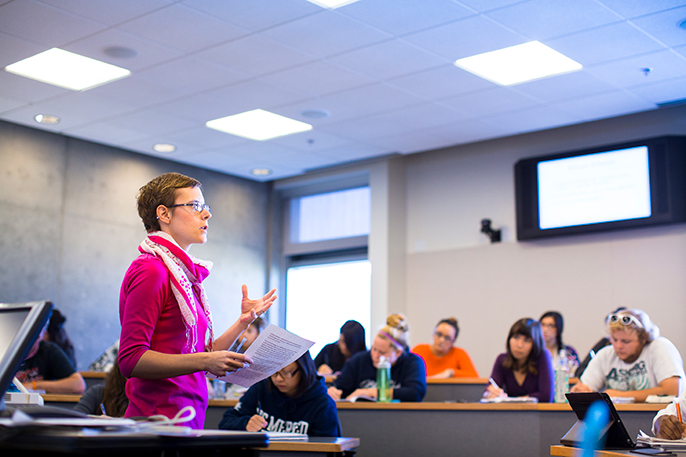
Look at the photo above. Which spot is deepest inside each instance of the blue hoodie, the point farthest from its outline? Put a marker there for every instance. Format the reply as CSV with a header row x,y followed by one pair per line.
x,y
408,376
313,413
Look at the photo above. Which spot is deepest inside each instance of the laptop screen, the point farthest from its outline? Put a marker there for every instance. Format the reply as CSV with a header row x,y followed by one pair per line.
x,y
20,325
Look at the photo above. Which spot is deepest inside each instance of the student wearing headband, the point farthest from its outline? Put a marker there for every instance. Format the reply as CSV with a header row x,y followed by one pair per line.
x,y
408,375
639,362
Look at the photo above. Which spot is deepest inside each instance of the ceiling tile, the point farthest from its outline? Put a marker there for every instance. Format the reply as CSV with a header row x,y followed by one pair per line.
x,y
326,34
183,28
107,133
135,91
466,37
48,26
27,89
490,101
543,19
387,60
148,53
665,26
536,118
605,43
412,142
188,75
634,8
353,152
629,72
156,121
440,82
15,49
316,78
605,105
7,104
104,12
251,95
311,141
562,87
256,15
255,55
662,92
488,5
405,16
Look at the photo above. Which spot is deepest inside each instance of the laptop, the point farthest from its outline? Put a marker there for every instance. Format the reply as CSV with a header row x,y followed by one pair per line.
x,y
614,432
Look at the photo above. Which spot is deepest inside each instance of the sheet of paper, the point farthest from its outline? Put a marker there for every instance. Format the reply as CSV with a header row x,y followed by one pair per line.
x,y
274,349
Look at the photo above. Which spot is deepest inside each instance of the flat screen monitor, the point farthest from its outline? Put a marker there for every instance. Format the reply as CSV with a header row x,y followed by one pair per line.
x,y
20,325
611,187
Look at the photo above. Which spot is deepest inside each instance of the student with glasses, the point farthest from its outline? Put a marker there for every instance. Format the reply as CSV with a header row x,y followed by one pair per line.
x,y
443,360
167,340
292,400
526,369
639,362
552,325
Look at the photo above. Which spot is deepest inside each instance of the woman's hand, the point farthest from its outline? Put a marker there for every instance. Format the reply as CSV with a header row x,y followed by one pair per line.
x,y
252,309
256,423
324,370
494,392
219,363
371,392
334,393
579,387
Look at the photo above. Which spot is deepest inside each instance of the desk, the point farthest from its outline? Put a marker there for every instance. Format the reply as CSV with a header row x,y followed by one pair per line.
x,y
520,430
566,451
313,447
455,389
93,378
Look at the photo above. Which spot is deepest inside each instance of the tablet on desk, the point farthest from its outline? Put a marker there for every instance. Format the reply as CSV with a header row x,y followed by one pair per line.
x,y
616,435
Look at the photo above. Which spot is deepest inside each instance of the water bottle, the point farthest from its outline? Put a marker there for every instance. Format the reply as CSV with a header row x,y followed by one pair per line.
x,y
383,380
561,378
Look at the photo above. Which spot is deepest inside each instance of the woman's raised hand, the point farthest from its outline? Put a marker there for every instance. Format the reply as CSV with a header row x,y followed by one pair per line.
x,y
252,309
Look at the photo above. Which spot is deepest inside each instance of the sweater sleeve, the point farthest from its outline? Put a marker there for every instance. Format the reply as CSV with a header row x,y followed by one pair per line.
x,y
237,418
545,378
498,373
348,379
142,298
326,421
465,366
413,382
321,358
90,401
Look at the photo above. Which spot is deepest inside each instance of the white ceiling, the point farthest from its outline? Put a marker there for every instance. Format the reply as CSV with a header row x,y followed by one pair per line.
x,y
382,68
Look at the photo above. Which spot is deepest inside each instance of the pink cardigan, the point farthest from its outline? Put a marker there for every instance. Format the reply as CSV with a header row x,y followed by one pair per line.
x,y
151,320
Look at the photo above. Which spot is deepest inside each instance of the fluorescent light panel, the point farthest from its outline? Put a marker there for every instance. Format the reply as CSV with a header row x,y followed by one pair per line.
x,y
332,4
68,70
518,64
258,125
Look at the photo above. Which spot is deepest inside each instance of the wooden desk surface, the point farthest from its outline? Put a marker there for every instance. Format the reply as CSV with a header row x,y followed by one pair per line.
x,y
315,444
566,451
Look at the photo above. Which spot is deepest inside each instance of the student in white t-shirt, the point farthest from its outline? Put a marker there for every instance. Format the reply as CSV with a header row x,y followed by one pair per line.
x,y
639,362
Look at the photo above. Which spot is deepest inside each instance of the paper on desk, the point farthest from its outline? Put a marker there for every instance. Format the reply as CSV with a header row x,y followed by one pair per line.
x,y
274,349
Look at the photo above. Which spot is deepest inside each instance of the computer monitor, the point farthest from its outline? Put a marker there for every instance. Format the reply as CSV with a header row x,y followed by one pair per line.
x,y
20,325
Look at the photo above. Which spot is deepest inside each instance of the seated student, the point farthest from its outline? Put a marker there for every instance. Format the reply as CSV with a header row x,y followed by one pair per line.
x,y
292,400
526,369
57,334
220,389
333,356
552,325
443,360
108,399
408,375
604,341
639,362
252,332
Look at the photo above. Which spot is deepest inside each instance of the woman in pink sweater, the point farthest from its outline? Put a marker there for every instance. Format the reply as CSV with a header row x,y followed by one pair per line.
x,y
167,340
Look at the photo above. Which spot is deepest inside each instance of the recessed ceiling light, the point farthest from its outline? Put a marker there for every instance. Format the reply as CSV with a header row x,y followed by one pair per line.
x,y
332,4
518,64
164,147
66,69
315,113
682,24
261,171
258,125
120,52
46,119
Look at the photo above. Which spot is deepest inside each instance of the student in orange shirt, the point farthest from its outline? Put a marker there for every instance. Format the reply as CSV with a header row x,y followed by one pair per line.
x,y
443,360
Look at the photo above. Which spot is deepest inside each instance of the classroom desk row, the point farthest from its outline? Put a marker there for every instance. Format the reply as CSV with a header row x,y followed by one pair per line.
x,y
434,428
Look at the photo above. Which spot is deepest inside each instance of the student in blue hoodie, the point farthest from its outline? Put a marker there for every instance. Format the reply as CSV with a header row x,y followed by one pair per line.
x,y
408,372
292,400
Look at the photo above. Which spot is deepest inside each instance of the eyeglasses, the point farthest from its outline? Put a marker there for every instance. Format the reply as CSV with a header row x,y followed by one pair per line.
x,y
285,374
443,337
624,319
199,207
549,326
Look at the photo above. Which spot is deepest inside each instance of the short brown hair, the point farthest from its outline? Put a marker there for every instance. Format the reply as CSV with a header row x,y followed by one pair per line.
x,y
160,191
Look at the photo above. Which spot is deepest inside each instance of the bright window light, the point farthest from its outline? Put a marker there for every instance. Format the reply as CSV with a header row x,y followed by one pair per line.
x,y
332,4
518,64
258,125
66,69
320,298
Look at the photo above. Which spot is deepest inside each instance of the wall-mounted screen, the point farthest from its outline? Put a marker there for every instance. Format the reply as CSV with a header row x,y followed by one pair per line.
x,y
618,186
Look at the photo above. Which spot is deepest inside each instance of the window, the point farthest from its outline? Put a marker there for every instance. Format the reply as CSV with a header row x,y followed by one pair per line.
x,y
321,298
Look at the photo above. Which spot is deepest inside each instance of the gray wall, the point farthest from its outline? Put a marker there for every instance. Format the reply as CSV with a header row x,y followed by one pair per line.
x,y
453,270
69,230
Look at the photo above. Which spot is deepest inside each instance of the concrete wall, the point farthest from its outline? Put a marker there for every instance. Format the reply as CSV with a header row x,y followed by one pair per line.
x,y
453,270
69,230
